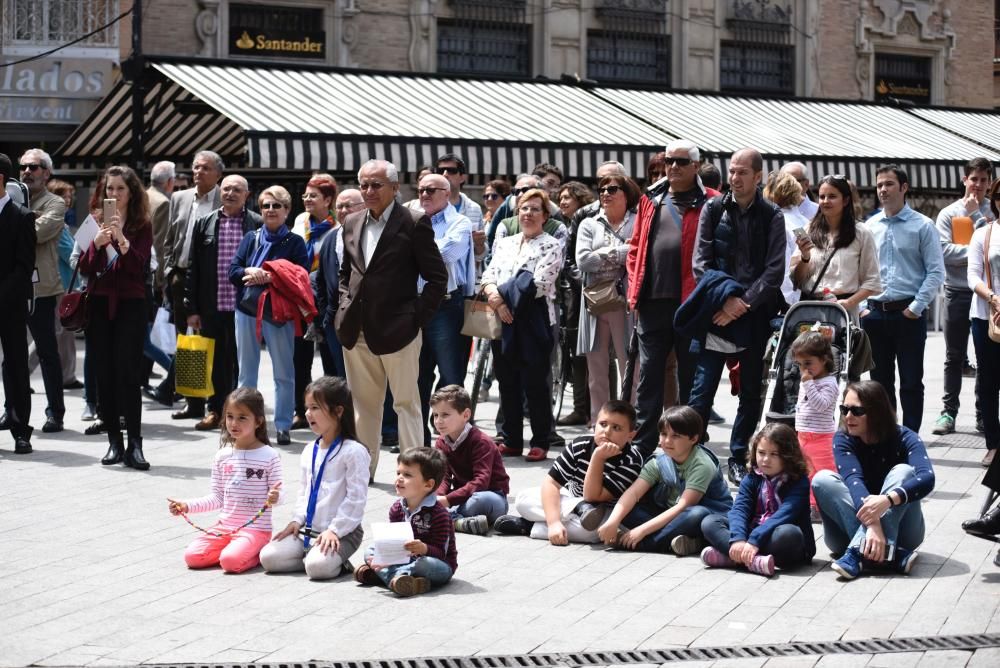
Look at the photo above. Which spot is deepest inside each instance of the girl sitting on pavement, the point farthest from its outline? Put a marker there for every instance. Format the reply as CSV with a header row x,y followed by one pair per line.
x,y
768,525
676,489
246,479
332,494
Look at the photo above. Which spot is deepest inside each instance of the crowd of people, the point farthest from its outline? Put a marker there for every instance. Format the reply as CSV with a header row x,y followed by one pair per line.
x,y
658,288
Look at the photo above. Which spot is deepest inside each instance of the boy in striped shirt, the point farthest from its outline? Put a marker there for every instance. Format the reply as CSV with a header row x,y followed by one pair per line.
x,y
583,483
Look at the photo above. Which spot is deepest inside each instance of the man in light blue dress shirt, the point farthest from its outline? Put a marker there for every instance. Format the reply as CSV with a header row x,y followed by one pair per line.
x,y
911,266
444,347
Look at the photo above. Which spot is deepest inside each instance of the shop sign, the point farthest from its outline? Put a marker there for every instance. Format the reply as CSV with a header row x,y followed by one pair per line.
x,y
59,91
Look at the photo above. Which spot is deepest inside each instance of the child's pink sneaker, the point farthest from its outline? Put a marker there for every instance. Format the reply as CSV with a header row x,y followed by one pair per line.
x,y
715,559
763,565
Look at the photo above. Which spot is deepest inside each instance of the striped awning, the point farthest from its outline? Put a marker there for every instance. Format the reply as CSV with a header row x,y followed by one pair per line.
x,y
275,117
849,138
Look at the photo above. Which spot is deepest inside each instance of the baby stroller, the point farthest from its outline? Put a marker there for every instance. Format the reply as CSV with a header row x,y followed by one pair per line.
x,y
780,391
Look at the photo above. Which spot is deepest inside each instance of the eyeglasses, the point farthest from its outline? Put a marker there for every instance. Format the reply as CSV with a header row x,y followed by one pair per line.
x,y
491,196
856,411
610,190
517,192
678,162
529,209
427,190
373,185
30,167
309,196
345,207
448,170
271,205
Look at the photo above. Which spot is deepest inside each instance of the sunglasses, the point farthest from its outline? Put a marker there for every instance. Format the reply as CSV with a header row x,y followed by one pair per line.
x,y
856,411
271,205
520,191
427,190
678,162
491,196
30,167
530,210
449,170
609,190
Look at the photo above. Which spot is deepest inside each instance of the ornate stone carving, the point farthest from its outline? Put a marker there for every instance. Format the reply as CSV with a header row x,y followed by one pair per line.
x,y
922,19
206,26
423,46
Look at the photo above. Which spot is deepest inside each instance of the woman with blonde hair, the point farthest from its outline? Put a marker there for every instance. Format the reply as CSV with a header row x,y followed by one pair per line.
x,y
786,191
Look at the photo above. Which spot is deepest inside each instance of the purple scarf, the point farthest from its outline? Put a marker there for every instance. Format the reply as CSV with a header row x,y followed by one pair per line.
x,y
768,500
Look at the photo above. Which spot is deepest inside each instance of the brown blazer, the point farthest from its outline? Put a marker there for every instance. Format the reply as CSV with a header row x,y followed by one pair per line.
x,y
381,300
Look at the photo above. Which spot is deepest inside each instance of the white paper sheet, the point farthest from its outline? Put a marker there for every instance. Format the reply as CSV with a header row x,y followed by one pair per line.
x,y
85,236
389,539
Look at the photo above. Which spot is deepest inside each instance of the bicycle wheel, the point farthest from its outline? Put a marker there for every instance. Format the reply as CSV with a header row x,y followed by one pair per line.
x,y
560,364
482,365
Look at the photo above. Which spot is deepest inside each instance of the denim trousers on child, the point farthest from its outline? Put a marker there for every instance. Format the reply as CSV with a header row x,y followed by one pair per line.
x,y
235,553
491,504
903,525
688,523
786,543
437,572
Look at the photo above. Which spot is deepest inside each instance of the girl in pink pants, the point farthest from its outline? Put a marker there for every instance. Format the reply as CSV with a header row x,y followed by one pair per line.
x,y
246,477
815,419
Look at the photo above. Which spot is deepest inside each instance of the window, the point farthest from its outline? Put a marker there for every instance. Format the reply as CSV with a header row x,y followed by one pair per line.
x,y
51,22
485,38
903,78
633,44
759,56
276,31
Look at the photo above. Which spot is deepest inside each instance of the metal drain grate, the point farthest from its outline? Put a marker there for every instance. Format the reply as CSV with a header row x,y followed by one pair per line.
x,y
618,658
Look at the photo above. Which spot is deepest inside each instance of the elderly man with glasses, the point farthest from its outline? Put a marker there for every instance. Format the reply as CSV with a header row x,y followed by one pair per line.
x,y
387,247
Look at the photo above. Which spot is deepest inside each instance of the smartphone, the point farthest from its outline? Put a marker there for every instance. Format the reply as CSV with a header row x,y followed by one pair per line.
x,y
800,232
110,209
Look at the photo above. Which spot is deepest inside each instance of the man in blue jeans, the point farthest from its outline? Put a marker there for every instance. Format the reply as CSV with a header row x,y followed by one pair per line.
x,y
911,266
444,347
743,235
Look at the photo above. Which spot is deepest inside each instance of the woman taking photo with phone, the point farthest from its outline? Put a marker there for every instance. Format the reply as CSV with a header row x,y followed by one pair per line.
x,y
115,266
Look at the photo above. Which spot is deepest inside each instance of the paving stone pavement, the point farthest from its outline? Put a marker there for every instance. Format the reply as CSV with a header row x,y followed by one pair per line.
x,y
92,572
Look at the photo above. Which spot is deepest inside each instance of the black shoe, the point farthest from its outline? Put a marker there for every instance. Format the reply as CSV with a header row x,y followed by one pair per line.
x,y
987,525
979,425
572,420
5,422
116,449
162,398
394,449
134,457
591,515
284,438
95,428
74,384
390,440
715,418
299,423
512,525
22,446
52,425
737,471
188,413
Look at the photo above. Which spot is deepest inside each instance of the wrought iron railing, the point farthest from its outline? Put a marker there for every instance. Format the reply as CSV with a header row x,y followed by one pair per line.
x,y
54,22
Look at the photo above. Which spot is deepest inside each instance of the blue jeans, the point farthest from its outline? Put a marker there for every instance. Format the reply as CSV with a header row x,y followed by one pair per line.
x,y
706,383
280,345
787,542
987,381
491,504
436,571
655,332
336,350
445,348
688,523
903,525
896,339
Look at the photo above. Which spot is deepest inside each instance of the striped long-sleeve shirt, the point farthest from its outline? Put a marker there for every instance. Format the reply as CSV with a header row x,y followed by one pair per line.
x,y
570,468
817,404
240,483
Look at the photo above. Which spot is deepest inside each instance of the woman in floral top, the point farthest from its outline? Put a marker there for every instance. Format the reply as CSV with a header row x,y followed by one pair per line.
x,y
520,283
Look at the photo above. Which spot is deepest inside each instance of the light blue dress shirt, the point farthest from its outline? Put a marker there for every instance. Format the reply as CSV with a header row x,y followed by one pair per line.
x,y
911,264
453,235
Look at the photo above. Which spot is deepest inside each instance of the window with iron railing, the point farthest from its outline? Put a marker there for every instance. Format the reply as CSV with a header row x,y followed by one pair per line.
x,y
632,45
759,56
485,37
54,22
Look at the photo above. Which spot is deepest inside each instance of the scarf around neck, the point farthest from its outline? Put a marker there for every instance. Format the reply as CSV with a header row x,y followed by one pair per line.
x,y
265,240
768,500
316,230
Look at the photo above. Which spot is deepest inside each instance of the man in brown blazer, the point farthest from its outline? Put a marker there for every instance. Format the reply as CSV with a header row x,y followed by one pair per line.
x,y
161,179
387,247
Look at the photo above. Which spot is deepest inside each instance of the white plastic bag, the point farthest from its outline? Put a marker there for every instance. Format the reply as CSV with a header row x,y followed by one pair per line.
x,y
163,334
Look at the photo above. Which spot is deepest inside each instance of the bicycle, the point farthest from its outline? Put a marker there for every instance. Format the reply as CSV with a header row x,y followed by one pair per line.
x,y
482,369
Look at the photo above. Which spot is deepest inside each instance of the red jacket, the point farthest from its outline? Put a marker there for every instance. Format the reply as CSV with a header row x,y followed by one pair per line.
x,y
635,263
290,293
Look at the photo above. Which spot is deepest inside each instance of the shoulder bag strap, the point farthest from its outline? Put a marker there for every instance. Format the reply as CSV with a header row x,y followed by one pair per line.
x,y
986,258
822,271
674,213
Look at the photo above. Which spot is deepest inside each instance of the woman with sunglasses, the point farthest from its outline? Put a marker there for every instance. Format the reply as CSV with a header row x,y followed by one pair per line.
x,y
602,244
520,284
871,508
274,241
836,256
316,225
494,194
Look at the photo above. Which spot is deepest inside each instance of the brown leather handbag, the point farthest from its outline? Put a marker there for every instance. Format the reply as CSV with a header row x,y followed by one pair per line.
x,y
73,312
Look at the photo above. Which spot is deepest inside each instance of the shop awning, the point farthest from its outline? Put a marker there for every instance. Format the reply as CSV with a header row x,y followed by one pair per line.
x,y
276,117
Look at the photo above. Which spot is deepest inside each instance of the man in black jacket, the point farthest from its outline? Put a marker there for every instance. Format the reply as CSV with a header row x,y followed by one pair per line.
x,y
743,235
210,301
17,263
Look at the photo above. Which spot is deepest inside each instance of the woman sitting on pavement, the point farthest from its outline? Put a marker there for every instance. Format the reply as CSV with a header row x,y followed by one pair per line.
x,y
520,284
871,508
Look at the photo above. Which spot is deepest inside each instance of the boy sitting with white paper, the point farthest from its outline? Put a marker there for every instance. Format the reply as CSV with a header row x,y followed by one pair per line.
x,y
434,557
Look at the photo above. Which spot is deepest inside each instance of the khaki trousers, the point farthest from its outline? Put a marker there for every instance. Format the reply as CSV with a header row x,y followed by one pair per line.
x,y
367,374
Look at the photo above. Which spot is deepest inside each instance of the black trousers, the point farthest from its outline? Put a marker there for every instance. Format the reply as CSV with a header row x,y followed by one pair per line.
x,y
221,326
956,341
177,278
17,395
655,329
117,347
518,380
302,357
786,543
42,323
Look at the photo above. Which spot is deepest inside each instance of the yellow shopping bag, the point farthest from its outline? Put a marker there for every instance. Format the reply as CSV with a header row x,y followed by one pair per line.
x,y
193,364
